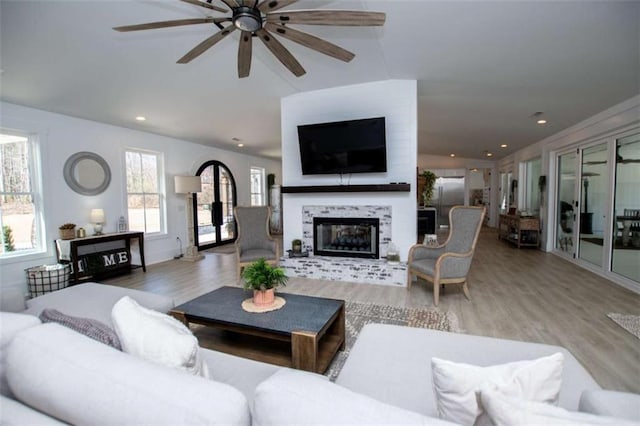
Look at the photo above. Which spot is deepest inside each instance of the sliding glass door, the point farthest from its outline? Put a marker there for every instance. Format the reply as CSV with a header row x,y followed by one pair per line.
x,y
594,196
625,254
598,205
566,203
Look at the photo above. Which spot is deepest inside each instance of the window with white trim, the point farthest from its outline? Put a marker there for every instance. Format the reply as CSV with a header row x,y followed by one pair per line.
x,y
145,191
257,187
21,215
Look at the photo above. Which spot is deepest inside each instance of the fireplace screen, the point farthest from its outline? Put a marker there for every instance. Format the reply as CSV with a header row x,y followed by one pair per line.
x,y
346,237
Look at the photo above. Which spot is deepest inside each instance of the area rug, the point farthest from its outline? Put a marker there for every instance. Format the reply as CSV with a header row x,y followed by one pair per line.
x,y
631,323
360,314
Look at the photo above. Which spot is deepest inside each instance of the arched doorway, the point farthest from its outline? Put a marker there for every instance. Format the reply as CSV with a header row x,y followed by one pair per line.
x,y
213,207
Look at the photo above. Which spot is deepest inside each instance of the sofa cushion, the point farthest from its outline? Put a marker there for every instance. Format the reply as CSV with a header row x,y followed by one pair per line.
x,y
292,397
10,325
406,382
624,405
156,337
93,300
241,373
12,299
13,413
82,381
506,410
89,327
456,384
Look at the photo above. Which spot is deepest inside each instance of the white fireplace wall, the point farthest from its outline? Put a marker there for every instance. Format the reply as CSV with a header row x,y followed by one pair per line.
x,y
396,100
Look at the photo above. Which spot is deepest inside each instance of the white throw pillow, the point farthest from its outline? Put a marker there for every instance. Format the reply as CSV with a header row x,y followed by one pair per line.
x,y
456,384
505,410
156,337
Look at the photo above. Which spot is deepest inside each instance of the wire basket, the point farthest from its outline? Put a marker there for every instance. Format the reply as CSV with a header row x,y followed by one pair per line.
x,y
47,278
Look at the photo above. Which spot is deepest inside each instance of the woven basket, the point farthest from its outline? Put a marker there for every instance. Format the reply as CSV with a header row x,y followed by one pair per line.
x,y
67,234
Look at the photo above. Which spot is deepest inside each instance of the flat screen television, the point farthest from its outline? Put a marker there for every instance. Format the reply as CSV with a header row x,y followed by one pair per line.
x,y
354,146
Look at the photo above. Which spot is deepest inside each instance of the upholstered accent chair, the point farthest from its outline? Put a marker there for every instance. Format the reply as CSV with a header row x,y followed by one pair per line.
x,y
254,239
448,263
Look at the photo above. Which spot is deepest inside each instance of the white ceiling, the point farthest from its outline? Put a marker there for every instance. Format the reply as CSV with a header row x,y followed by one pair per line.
x,y
483,68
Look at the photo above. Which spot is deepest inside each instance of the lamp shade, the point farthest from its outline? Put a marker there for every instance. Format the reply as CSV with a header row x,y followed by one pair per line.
x,y
187,184
97,216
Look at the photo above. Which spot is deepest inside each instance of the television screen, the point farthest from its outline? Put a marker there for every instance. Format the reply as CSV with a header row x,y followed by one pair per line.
x,y
355,146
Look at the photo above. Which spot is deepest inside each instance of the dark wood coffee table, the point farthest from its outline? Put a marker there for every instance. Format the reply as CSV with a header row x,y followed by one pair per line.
x,y
306,333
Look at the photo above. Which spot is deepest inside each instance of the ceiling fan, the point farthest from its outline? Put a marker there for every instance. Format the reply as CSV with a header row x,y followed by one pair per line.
x,y
256,18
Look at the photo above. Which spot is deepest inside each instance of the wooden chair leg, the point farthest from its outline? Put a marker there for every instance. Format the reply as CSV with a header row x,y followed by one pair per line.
x,y
436,292
465,288
239,272
409,279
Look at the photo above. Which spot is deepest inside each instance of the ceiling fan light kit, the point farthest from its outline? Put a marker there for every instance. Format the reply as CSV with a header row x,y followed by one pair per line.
x,y
257,19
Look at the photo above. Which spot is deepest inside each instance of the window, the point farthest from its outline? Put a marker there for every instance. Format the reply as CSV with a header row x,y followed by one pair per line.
x,y
257,186
145,191
532,171
20,198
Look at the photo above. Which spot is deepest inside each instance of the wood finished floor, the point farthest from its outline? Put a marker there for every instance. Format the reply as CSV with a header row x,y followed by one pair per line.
x,y
516,294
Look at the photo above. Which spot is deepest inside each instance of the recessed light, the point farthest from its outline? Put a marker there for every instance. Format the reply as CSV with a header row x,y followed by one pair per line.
x,y
452,155
542,121
240,145
141,118
489,154
504,145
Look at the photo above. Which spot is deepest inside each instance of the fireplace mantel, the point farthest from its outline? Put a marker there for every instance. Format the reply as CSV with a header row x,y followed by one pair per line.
x,y
387,187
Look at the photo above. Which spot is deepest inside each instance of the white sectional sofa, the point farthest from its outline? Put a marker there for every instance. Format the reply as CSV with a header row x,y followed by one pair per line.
x,y
54,375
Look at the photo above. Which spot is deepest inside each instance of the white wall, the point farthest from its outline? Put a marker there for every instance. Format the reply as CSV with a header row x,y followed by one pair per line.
x,y
396,100
61,136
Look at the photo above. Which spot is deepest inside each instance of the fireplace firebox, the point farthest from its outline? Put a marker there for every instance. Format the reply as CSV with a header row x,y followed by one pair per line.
x,y
346,237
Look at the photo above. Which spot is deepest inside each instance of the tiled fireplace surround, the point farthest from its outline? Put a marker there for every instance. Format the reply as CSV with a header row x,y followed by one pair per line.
x,y
372,271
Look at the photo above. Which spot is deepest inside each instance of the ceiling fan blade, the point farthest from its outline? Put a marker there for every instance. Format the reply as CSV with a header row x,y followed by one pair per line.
x,y
165,24
271,5
244,54
232,3
311,41
208,43
281,52
206,5
328,17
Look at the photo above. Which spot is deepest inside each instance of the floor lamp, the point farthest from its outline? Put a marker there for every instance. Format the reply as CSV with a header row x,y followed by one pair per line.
x,y
189,185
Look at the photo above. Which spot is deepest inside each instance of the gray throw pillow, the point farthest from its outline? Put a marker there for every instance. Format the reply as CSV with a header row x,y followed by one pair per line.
x,y
89,327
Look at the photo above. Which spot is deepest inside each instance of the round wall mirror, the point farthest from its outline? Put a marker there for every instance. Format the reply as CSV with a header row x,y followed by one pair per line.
x,y
87,173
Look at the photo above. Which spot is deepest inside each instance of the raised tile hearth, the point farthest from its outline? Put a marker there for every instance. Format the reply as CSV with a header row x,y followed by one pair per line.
x,y
367,271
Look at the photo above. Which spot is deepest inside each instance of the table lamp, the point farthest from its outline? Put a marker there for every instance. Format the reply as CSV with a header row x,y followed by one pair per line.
x,y
97,218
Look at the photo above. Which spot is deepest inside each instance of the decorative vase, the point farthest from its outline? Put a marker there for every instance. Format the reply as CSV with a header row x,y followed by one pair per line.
x,y
264,297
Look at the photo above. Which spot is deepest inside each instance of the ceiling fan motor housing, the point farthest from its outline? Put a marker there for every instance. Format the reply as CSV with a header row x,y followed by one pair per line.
x,y
247,18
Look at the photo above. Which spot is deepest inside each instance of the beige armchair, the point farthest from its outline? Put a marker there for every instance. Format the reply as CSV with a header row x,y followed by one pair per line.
x,y
448,263
254,239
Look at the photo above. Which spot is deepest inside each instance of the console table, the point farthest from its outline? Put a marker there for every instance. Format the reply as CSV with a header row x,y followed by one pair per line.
x,y
523,231
113,261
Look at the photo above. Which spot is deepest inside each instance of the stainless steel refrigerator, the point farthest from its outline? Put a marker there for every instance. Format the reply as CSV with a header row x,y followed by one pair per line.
x,y
448,192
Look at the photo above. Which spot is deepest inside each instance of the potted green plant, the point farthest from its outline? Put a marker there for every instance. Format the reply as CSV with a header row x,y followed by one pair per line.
x,y
429,183
263,279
